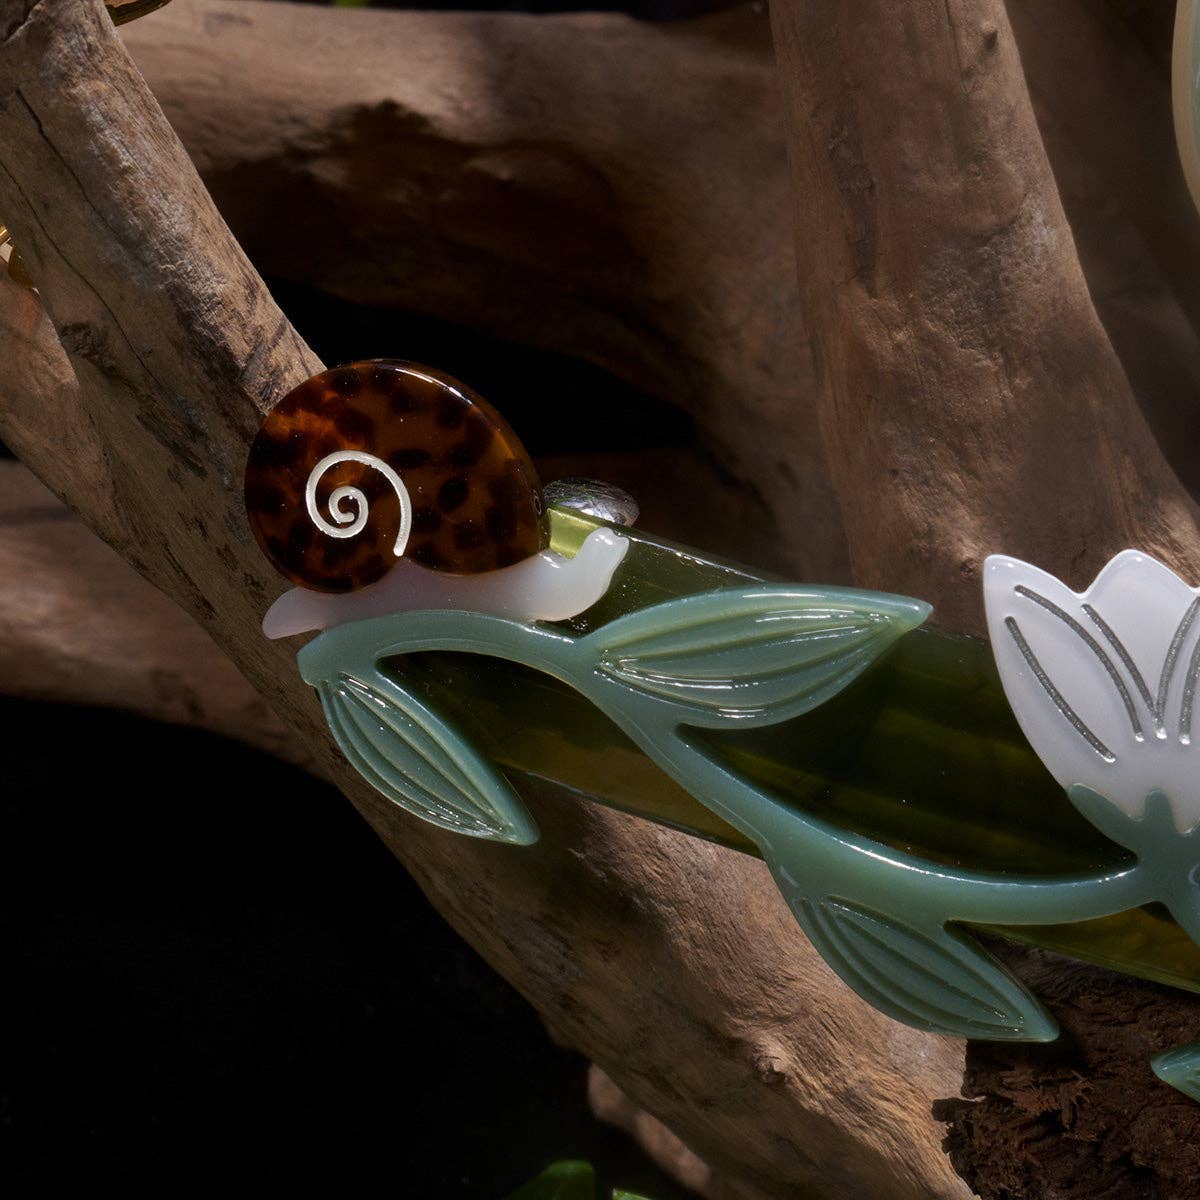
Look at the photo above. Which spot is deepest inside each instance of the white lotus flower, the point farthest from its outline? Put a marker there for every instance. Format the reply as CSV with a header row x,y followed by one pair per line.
x,y
1103,683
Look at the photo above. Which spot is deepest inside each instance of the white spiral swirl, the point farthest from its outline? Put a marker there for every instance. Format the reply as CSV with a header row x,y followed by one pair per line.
x,y
348,525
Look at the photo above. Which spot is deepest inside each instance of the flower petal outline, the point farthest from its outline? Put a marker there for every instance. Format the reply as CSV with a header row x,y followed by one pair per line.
x,y
1104,682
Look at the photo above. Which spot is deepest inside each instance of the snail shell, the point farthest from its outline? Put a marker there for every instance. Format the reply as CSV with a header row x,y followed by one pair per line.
x,y
370,461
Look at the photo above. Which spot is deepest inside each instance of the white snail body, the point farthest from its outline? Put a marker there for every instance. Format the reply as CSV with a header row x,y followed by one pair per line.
x,y
544,587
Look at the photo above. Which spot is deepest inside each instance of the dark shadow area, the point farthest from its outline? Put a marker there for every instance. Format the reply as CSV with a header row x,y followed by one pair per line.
x,y
218,976
646,10
593,411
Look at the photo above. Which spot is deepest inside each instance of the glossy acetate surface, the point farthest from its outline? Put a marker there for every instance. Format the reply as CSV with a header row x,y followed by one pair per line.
x,y
921,753
373,461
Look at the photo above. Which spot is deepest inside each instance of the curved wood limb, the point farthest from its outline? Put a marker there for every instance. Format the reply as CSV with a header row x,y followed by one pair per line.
x,y
674,965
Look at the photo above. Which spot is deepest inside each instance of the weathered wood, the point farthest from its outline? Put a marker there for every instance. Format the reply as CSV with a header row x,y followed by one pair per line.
x,y
79,625
673,964
377,150
667,268
973,403
611,1104
1099,78
540,206
968,394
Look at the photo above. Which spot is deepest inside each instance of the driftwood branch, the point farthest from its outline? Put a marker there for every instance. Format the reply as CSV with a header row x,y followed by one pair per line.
x,y
973,401
968,393
1099,78
541,205
674,965
680,284
79,625
966,378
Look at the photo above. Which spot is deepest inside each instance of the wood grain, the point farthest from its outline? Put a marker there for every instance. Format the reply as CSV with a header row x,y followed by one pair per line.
x,y
673,964
969,395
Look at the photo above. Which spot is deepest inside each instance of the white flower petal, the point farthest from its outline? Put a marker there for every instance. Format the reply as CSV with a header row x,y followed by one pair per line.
x,y
1100,680
1143,602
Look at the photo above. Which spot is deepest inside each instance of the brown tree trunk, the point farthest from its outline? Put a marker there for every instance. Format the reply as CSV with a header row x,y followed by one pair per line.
x,y
673,964
976,366
969,397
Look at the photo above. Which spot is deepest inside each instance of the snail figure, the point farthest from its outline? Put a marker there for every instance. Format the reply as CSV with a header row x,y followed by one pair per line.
x,y
384,486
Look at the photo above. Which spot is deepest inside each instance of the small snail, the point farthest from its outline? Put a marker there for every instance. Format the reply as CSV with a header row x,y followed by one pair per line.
x,y
398,484
366,463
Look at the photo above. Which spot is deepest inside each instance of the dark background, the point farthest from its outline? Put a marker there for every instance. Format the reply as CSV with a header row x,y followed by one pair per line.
x,y
199,993
202,994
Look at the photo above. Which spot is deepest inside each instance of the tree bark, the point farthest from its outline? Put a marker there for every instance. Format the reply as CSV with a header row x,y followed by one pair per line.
x,y
1083,1117
984,351
968,394
972,402
673,964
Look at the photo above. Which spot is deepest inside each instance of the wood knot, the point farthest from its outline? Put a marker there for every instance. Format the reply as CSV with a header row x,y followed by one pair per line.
x,y
82,339
769,1069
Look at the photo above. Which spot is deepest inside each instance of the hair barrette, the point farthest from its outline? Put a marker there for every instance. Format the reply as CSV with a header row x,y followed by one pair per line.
x,y
906,786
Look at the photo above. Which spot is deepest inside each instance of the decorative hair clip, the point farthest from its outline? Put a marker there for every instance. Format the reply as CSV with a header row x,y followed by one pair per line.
x,y
473,637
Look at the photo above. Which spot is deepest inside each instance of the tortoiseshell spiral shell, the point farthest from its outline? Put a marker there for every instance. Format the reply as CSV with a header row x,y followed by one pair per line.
x,y
473,497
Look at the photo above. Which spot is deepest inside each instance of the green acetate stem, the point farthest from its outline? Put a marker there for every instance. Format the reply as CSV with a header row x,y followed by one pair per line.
x,y
921,753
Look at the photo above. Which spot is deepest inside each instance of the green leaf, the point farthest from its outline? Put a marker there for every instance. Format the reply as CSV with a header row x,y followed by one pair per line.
x,y
421,762
1181,1069
757,654
930,980
567,1180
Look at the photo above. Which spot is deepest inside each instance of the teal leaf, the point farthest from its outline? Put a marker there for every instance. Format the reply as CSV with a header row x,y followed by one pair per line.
x,y
1171,857
756,654
421,762
568,1180
1181,1069
931,980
